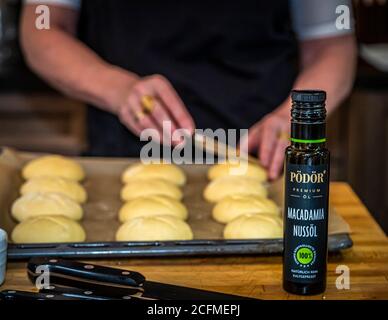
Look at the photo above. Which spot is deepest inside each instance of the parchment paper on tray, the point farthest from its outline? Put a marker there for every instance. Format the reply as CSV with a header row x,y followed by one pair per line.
x,y
103,185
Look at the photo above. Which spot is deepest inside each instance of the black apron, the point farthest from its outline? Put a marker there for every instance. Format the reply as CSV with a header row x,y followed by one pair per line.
x,y
231,62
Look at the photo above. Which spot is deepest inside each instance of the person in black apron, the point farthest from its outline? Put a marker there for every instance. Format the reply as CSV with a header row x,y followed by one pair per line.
x,y
227,65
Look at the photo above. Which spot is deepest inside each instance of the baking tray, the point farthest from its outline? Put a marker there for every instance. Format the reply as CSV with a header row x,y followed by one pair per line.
x,y
103,185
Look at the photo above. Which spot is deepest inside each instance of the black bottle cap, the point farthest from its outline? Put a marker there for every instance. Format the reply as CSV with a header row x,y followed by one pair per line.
x,y
308,96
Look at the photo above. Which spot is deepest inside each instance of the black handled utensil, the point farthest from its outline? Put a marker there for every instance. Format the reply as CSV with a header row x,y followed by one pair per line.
x,y
56,293
11,295
85,276
116,283
83,294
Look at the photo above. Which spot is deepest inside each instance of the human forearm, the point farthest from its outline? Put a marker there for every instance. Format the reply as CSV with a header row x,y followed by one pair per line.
x,y
329,65
71,67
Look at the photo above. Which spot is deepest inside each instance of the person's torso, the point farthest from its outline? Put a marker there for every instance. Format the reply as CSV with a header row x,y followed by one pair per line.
x,y
232,62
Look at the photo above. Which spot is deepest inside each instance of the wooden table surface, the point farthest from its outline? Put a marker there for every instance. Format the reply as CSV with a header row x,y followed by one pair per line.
x,y
260,277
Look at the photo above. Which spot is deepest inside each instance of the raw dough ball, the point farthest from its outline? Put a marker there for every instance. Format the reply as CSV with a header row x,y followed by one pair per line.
x,y
232,207
156,228
230,186
69,188
53,166
48,229
254,226
45,204
247,169
168,172
150,187
152,206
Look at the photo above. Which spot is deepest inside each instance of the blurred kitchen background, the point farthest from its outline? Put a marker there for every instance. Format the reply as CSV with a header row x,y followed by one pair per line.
x,y
34,117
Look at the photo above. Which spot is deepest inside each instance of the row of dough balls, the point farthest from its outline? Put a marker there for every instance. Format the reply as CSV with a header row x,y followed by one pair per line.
x,y
153,210
241,202
51,201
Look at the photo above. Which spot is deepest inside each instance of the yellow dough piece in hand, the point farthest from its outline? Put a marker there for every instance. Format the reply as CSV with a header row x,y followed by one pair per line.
x,y
53,166
168,172
229,186
45,204
254,226
152,187
69,188
155,228
152,206
232,207
48,229
246,169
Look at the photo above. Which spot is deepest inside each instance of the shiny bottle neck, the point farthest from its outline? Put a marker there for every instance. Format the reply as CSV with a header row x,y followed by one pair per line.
x,y
308,125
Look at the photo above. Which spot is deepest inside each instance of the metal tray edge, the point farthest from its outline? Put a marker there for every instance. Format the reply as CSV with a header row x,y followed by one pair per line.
x,y
194,248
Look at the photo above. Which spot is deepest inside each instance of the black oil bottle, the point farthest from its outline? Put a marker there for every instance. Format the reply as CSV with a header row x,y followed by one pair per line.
x,y
307,167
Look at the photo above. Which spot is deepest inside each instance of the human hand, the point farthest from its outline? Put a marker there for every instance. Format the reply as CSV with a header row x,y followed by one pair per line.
x,y
151,101
269,138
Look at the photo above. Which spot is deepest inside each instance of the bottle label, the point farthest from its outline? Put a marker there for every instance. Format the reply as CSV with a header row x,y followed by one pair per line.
x,y
306,223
